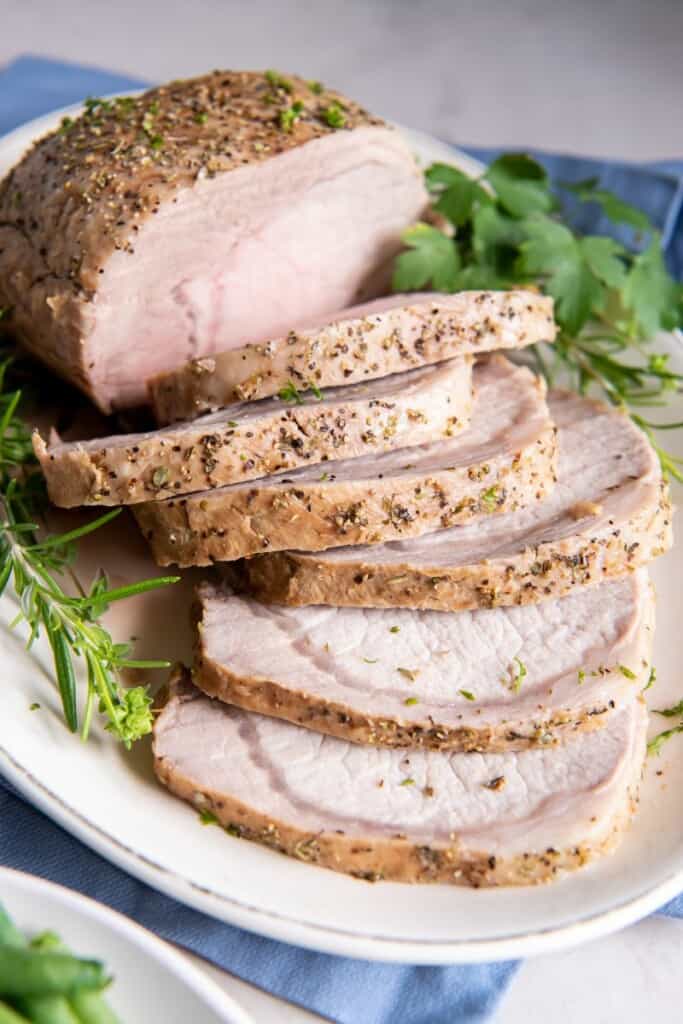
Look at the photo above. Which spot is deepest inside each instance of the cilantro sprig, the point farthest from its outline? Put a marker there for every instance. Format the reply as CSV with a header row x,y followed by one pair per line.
x,y
510,230
38,566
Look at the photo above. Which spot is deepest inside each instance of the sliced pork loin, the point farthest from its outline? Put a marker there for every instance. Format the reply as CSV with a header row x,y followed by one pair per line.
x,y
253,439
491,679
202,215
365,342
505,459
417,816
608,513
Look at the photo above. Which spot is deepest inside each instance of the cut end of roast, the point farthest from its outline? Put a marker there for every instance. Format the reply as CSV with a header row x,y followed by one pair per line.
x,y
487,680
239,221
608,514
504,460
493,819
365,342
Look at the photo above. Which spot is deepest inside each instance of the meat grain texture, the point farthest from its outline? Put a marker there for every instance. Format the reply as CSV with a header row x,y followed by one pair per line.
x,y
363,343
608,514
202,215
488,680
254,439
417,816
505,460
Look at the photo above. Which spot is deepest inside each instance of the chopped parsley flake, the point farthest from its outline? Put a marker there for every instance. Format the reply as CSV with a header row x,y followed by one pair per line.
x,y
409,701
290,116
201,118
581,676
370,661
651,680
489,498
333,115
290,394
278,81
315,87
408,782
208,818
627,672
519,676
35,706
467,694
394,629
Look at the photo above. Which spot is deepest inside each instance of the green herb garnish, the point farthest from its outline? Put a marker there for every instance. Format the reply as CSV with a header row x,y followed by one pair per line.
x,y
290,116
675,712
277,81
290,394
409,701
36,565
394,629
407,782
610,299
651,680
34,707
370,661
490,498
333,115
627,672
467,694
655,745
208,818
581,676
201,117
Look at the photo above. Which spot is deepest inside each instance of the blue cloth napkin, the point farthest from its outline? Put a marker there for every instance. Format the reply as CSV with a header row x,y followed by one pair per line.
x,y
343,990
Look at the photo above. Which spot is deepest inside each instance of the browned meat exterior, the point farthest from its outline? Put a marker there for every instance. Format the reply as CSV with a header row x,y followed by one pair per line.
x,y
608,513
423,816
504,460
362,343
250,440
489,680
202,215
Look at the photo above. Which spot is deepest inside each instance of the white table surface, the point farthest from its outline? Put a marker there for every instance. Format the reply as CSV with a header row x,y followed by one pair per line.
x,y
582,76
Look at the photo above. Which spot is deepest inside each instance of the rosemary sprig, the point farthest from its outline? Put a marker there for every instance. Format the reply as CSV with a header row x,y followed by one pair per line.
x,y
511,229
35,566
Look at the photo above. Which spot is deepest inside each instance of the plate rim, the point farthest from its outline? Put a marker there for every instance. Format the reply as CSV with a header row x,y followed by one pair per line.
x,y
285,928
162,952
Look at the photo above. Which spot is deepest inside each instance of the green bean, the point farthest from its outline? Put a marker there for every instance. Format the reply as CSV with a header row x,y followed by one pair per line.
x,y
87,1007
10,1016
9,933
27,972
92,1008
47,1010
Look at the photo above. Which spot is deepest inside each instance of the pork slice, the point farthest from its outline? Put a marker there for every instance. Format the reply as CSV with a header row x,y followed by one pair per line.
x,y
417,816
608,513
490,679
253,439
505,459
365,342
202,215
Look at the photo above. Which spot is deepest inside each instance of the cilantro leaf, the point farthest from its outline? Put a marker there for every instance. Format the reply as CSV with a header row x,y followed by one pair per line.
x,y
495,240
521,185
650,293
618,211
432,257
552,252
604,256
457,199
